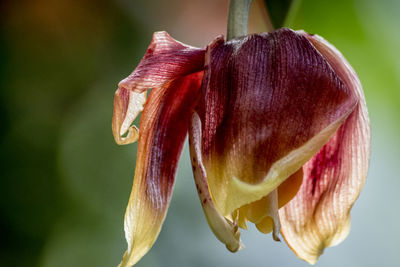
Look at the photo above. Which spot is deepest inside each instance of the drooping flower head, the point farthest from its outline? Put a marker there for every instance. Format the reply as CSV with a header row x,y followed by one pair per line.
x,y
278,136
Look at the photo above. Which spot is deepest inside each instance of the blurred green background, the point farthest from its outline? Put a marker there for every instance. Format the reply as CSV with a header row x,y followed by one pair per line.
x,y
65,183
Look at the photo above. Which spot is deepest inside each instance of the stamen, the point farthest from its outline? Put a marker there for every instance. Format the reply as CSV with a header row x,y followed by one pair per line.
x,y
273,213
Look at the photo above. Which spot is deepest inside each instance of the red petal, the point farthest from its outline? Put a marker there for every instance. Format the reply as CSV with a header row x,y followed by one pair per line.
x,y
319,215
269,102
165,60
163,128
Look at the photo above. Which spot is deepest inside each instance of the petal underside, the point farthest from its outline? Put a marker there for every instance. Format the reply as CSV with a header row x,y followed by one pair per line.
x,y
268,103
163,128
319,215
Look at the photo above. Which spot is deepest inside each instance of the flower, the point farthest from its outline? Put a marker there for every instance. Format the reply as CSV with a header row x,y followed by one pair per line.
x,y
278,136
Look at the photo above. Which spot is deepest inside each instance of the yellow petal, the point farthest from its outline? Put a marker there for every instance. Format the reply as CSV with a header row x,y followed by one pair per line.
x,y
266,225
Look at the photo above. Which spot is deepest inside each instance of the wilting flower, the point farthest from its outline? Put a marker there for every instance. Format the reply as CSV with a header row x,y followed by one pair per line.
x,y
278,135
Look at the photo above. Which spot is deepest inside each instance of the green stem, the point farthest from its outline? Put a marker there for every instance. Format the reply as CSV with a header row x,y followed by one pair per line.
x,y
238,18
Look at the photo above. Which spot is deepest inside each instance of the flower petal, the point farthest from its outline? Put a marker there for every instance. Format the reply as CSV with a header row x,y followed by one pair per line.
x,y
264,212
165,60
163,128
224,229
127,106
269,103
289,188
319,215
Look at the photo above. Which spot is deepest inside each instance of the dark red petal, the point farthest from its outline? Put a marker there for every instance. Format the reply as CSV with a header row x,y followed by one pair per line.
x,y
319,215
165,60
269,102
163,128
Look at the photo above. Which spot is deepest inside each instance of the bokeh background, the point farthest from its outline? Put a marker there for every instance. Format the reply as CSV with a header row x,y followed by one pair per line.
x,y
65,183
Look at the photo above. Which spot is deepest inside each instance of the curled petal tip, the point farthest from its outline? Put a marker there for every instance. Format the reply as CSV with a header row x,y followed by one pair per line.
x,y
275,236
235,247
127,106
165,60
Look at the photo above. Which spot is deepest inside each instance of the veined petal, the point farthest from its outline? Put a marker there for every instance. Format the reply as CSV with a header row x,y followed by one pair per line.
x,y
163,128
319,215
269,102
225,230
165,60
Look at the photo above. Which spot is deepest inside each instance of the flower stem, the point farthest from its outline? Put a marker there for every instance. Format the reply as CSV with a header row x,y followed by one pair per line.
x,y
238,18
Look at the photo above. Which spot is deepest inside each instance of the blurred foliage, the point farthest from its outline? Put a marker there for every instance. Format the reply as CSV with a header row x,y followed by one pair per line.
x,y
278,10
52,52
65,184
